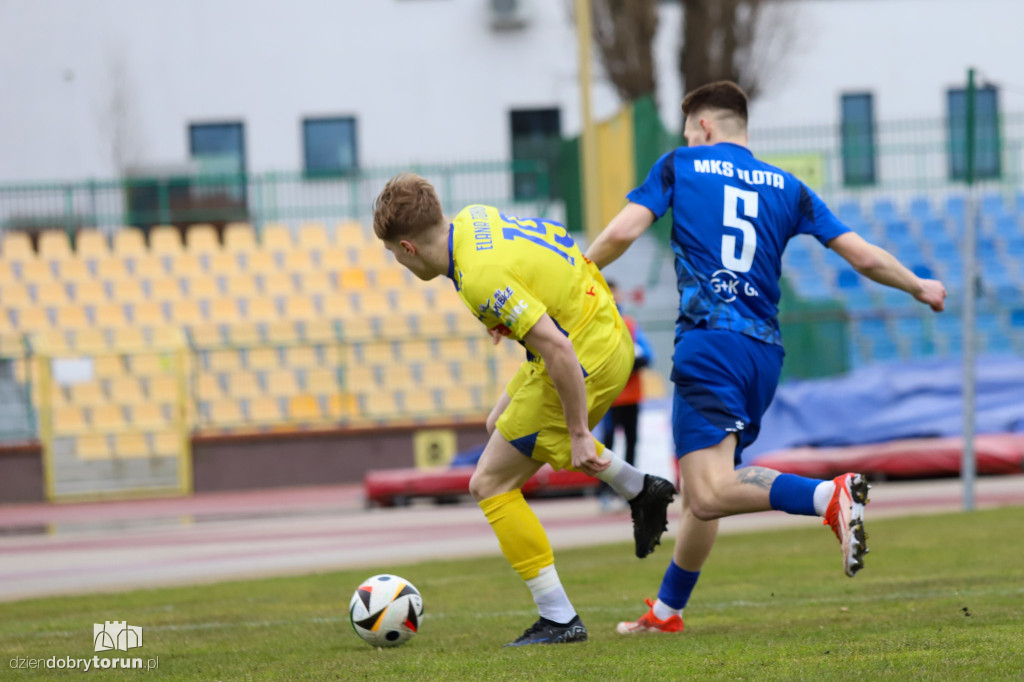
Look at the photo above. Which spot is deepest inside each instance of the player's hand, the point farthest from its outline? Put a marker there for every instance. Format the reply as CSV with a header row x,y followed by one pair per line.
x,y
933,294
584,456
495,336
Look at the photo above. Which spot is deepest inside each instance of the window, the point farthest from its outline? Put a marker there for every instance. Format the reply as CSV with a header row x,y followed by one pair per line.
x,y
858,135
986,140
536,149
219,149
329,146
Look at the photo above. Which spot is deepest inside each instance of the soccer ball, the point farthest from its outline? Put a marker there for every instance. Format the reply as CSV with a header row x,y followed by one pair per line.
x,y
386,610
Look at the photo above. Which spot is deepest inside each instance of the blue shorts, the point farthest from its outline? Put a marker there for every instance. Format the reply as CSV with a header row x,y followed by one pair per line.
x,y
724,382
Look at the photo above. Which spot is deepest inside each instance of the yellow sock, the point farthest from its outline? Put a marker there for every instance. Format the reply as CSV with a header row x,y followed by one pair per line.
x,y
523,540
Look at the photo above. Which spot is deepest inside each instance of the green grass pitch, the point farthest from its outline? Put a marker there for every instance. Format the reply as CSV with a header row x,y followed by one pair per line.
x,y
942,597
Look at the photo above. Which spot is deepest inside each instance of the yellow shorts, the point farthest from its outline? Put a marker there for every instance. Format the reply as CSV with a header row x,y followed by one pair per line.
x,y
534,423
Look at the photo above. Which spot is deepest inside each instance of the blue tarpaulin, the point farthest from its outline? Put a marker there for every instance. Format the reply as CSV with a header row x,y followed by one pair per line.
x,y
889,401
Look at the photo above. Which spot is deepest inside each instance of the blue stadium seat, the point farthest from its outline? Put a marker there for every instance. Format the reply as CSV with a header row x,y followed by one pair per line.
x,y
897,231
1020,203
913,336
858,298
920,209
992,205
1007,226
1015,245
956,207
884,349
849,213
847,279
934,230
885,210
1017,319
922,270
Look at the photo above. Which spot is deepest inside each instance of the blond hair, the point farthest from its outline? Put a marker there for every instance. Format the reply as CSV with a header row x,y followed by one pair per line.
x,y
407,207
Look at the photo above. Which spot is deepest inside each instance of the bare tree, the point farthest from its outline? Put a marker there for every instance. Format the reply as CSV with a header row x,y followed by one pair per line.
x,y
738,40
118,115
624,32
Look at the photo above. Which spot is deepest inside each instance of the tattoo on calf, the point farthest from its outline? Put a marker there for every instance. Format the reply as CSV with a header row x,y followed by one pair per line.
x,y
758,476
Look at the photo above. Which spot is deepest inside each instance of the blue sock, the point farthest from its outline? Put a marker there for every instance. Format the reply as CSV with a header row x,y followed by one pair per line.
x,y
793,494
677,585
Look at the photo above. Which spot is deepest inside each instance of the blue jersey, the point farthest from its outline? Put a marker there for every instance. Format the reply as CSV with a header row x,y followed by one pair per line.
x,y
732,216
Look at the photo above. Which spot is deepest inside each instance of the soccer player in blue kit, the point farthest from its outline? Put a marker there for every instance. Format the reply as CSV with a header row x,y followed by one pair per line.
x,y
732,216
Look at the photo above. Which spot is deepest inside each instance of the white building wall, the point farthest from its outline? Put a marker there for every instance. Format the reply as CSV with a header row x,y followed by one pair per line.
x,y
427,80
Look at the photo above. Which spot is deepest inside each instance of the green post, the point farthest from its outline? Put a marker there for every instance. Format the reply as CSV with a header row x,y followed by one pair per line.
x,y
69,209
968,463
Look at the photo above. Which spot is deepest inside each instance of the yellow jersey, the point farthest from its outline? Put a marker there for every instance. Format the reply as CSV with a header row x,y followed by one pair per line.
x,y
509,271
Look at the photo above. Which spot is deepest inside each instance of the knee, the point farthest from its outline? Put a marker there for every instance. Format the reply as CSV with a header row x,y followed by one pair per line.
x,y
703,505
480,487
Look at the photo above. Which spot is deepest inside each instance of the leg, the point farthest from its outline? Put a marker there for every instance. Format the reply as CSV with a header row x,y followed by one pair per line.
x,y
628,417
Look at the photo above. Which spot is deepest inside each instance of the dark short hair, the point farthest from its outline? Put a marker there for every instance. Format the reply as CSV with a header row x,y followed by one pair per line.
x,y
720,95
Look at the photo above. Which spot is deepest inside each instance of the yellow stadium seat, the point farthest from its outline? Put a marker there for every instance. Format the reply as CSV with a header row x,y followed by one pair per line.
x,y
300,308
282,382
282,332
322,330
358,329
202,238
148,314
109,315
438,375
260,263
186,313
165,289
374,302
322,381
262,310
128,291
221,263
352,279
336,259
395,326
341,406
397,377
36,271
129,339
243,334
432,325
88,292
150,265
297,261
392,278
14,295
206,335
166,443
72,317
32,320
106,417
241,285
377,352
130,446
165,239
421,403
112,269
6,273
313,237
208,387
460,400
243,384
163,389
129,241
455,348
411,301
315,282
227,360
227,412
106,366
92,447
149,416
91,245
126,390
374,256
350,234
265,410
90,340
301,357
74,270
16,246
87,394
417,350
304,408
275,237
278,284
188,265
476,372
150,364
54,245
466,324
446,300
68,420
360,379
262,357
203,286
239,238
507,368
337,305
381,405
224,311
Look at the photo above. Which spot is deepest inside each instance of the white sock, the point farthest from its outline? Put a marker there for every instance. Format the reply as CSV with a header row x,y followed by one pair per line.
x,y
822,496
552,601
626,479
663,611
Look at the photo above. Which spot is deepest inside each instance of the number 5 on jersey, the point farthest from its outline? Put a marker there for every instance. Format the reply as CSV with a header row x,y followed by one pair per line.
x,y
731,218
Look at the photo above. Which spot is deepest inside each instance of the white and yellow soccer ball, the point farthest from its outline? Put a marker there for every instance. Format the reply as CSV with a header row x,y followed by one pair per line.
x,y
386,610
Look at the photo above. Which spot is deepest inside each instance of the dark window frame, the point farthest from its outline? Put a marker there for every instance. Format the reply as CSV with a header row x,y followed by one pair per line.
x,y
857,137
238,124
339,172
521,130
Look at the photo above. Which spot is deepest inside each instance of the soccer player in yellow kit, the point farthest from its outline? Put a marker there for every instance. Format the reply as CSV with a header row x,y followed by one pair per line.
x,y
526,279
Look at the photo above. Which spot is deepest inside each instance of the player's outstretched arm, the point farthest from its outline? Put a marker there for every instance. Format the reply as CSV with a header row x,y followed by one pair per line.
x,y
881,266
566,374
625,227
